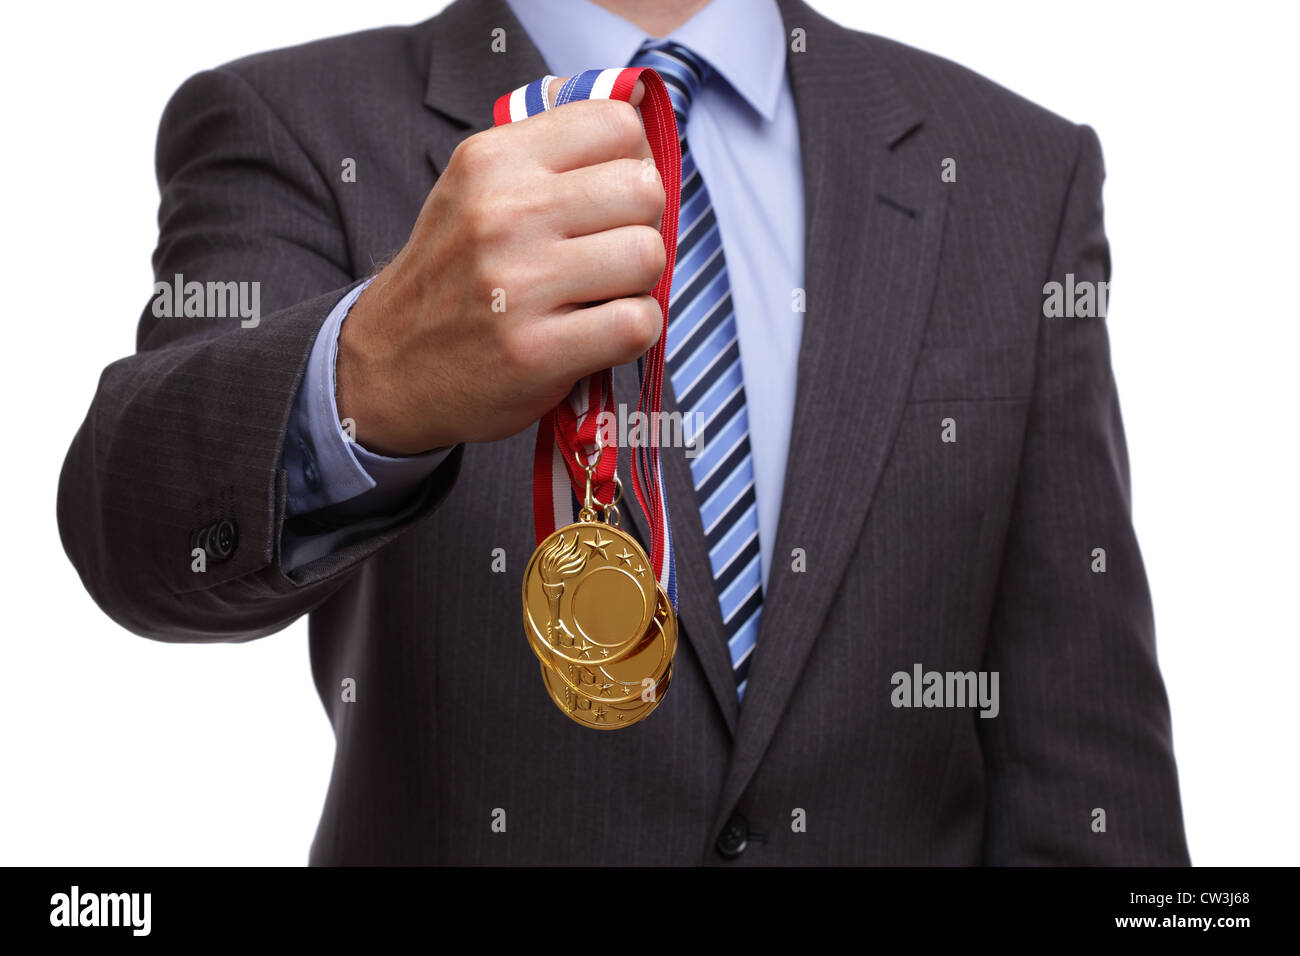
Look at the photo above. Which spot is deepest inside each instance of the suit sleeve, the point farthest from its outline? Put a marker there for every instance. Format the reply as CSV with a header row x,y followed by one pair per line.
x,y
182,449
334,482
1084,727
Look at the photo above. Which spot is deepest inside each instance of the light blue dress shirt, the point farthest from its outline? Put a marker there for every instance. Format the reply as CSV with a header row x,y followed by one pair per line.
x,y
744,134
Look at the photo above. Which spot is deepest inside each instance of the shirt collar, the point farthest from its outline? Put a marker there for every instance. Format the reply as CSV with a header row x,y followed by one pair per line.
x,y
743,40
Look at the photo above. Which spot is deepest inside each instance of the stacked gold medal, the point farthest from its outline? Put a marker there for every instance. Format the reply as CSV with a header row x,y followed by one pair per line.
x,y
598,621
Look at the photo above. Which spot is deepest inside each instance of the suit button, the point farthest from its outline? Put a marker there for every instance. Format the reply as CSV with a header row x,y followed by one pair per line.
x,y
734,837
222,539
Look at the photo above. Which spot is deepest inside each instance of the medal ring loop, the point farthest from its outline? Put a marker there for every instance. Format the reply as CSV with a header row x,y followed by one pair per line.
x,y
590,502
618,496
589,468
610,508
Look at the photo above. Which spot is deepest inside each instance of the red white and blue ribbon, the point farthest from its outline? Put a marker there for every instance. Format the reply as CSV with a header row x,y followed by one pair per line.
x,y
569,432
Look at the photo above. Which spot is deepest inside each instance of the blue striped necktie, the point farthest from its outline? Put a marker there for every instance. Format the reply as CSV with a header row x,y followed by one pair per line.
x,y
704,367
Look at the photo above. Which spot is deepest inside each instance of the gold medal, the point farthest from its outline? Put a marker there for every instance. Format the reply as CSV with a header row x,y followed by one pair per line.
x,y
589,594
600,716
603,630
625,681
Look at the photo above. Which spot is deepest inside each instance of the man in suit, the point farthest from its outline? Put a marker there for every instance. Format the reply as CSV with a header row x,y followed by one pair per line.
x,y
917,470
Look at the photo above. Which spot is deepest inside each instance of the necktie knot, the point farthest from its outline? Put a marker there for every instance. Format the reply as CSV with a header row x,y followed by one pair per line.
x,y
682,72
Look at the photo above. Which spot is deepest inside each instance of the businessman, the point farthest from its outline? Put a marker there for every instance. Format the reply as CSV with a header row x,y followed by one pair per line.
x,y
915,626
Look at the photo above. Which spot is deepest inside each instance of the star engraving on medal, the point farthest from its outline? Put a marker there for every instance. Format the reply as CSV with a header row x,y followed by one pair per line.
x,y
598,712
620,717
599,545
625,557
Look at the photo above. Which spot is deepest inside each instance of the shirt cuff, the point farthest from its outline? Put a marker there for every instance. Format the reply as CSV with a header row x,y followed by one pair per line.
x,y
326,466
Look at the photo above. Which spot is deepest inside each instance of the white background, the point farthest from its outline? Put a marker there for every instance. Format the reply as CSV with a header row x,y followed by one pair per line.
x,y
118,750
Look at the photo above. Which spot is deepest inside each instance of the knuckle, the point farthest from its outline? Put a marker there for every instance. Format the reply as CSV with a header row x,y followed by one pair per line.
x,y
472,155
482,221
514,356
494,217
487,277
654,321
516,350
646,250
644,184
536,202
624,126
637,321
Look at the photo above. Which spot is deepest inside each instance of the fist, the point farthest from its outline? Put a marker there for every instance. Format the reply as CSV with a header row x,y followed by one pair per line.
x,y
528,268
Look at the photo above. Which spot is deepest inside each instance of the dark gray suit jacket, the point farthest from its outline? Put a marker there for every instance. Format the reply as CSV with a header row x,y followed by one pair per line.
x,y
924,303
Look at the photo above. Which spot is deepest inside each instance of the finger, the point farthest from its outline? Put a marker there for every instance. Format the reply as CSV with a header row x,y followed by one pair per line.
x,y
596,337
620,262
579,134
622,192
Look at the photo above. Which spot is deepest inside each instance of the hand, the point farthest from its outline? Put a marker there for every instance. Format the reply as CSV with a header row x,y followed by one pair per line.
x,y
528,268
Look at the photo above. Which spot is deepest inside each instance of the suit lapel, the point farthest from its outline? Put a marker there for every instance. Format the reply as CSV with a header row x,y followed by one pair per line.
x,y
466,76
464,82
874,216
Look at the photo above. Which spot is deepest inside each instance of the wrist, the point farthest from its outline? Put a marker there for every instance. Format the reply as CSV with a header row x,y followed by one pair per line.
x,y
367,381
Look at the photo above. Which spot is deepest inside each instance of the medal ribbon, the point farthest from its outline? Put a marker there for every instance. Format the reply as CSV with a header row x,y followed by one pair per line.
x,y
569,431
